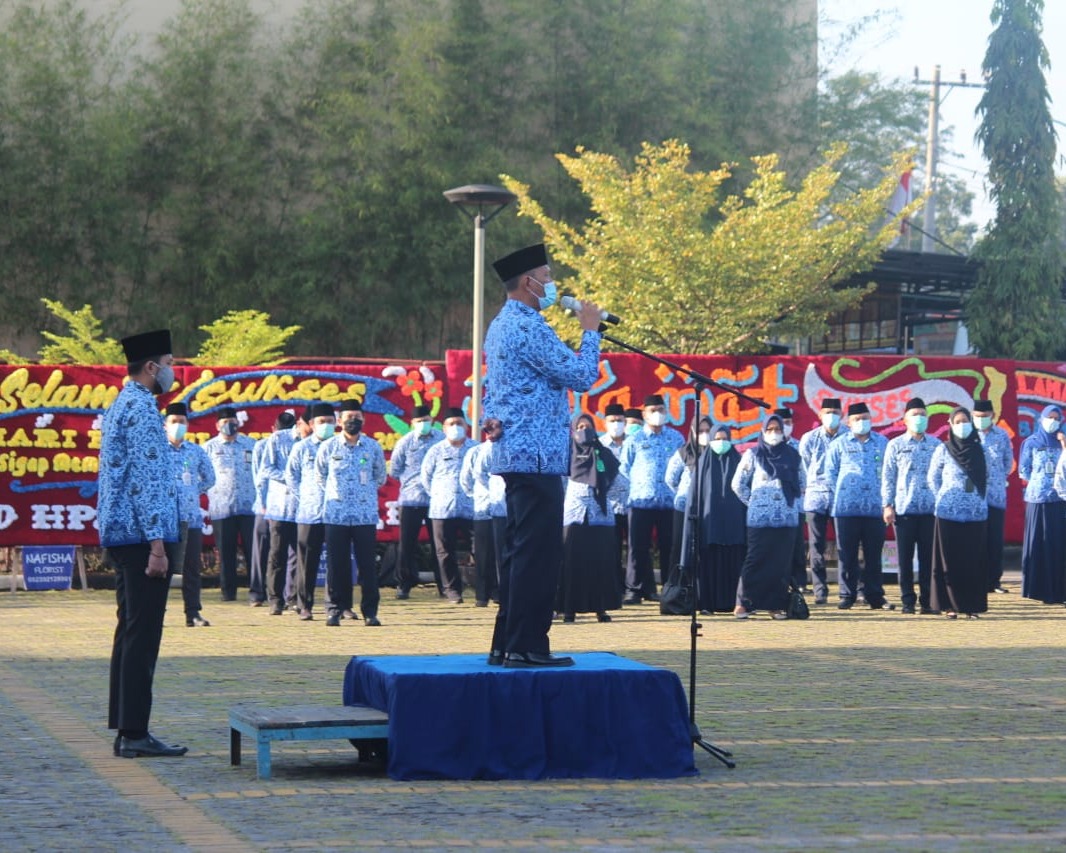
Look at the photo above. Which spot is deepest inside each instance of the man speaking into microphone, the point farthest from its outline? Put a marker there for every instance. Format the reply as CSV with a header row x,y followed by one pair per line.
x,y
527,417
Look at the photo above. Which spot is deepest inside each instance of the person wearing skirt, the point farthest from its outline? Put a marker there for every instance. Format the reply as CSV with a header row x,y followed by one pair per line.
x,y
721,517
959,477
769,480
1044,539
588,582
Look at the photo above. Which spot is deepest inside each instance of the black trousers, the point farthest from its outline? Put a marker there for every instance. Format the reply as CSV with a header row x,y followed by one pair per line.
x,y
227,531
640,577
282,540
341,539
309,541
411,520
257,569
677,537
532,560
817,525
487,577
142,604
446,534
853,531
499,540
799,557
915,532
191,571
994,534
621,537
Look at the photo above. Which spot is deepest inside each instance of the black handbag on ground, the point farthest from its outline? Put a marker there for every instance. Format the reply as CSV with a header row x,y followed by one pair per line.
x,y
678,596
797,604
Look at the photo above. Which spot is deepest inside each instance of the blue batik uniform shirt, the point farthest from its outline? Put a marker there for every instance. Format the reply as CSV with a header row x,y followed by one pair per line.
x,y
679,479
529,372
138,493
645,456
260,485
281,501
405,465
350,476
488,491
441,467
957,498
998,443
853,470
812,448
195,475
905,478
1037,465
234,489
761,492
581,507
302,480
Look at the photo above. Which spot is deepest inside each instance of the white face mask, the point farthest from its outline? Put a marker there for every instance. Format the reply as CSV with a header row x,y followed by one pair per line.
x,y
616,429
788,430
655,419
773,438
830,420
963,430
861,427
176,431
455,432
1049,424
704,439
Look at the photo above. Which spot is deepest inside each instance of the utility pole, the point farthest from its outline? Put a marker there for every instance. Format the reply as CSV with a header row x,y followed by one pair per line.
x,y
932,139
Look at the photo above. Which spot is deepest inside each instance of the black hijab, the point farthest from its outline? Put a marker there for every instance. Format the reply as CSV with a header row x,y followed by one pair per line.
x,y
780,461
969,453
591,463
691,450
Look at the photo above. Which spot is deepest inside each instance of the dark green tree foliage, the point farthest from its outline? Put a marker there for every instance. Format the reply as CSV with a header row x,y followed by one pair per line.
x,y
1016,309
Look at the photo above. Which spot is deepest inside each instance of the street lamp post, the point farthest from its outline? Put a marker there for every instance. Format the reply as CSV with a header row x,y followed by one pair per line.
x,y
480,203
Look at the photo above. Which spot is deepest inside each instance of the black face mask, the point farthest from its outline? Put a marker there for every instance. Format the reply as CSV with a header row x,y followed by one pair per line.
x,y
230,428
584,435
353,427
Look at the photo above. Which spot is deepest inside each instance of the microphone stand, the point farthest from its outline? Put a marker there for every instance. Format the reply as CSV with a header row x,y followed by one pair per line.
x,y
701,382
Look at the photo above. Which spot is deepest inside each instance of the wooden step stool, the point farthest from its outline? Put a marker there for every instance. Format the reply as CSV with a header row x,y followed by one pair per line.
x,y
301,722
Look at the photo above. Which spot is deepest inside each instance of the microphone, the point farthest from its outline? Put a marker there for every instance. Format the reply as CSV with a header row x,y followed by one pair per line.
x,y
572,304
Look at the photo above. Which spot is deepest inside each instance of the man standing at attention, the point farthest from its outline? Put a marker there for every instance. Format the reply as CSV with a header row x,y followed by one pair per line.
x,y
997,440
138,522
527,416
813,447
230,501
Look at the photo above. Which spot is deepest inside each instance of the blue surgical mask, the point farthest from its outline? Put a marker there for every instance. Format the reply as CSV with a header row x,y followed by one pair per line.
x,y
424,427
917,423
455,432
551,293
721,445
324,431
962,430
176,431
861,427
165,378
1049,424
982,422
632,429
830,420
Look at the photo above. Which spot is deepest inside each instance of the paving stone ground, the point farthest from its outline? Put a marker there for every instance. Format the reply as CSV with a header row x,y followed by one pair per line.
x,y
852,730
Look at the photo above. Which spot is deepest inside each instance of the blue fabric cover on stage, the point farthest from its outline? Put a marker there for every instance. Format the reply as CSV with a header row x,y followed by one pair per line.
x,y
455,717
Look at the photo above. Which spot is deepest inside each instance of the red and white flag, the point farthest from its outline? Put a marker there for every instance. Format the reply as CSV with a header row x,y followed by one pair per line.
x,y
900,199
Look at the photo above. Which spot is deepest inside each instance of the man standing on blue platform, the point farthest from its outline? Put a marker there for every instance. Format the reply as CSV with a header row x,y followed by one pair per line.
x,y
853,470
350,468
527,417
137,516
651,501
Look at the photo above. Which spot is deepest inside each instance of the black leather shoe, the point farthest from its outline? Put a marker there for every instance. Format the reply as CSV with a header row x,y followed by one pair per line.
x,y
305,616
631,600
276,610
402,595
884,605
522,660
654,597
821,599
907,608
1000,590
348,614
569,617
197,621
495,658
333,620
603,617
845,604
372,622
928,611
114,746
148,747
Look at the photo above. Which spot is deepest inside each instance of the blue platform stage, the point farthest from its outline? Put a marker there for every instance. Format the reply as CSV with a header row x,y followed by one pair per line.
x,y
455,717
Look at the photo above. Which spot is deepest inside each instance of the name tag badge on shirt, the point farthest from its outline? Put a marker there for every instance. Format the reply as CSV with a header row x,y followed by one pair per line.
x,y
186,478
364,476
247,457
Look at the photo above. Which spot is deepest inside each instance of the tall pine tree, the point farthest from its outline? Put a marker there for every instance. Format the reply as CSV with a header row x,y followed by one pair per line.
x,y
1016,309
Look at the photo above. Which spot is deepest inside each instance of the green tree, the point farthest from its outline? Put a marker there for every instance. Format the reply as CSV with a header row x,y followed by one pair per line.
x,y
85,342
695,272
1016,309
243,337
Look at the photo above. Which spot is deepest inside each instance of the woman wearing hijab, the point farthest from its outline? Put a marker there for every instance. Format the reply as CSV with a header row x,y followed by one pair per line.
x,y
958,477
770,482
588,582
721,524
679,478
1044,539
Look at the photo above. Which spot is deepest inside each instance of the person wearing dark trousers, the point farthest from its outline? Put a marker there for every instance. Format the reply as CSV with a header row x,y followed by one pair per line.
x,y
302,480
618,422
451,510
350,468
195,476
487,493
280,511
257,570
798,561
231,499
853,469
998,442
405,465
817,499
909,504
138,517
527,417
679,479
651,501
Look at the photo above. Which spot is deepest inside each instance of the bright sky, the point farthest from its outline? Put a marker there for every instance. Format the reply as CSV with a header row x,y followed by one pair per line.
x,y
952,34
